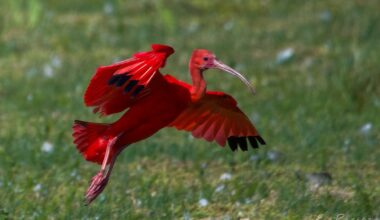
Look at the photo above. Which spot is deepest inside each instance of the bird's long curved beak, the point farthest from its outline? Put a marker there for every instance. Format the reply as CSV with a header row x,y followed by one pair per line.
x,y
219,65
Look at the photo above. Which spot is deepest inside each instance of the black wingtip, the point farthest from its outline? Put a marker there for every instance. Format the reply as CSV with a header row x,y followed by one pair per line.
x,y
232,142
253,142
130,85
119,79
261,140
113,79
122,81
79,122
241,142
137,91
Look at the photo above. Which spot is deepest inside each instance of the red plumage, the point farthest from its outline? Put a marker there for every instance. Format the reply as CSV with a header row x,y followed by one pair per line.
x,y
141,68
154,101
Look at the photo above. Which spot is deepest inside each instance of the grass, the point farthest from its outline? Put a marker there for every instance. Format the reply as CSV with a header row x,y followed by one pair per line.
x,y
318,110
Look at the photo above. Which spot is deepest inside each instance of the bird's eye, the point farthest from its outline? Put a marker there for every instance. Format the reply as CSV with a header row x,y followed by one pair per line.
x,y
205,58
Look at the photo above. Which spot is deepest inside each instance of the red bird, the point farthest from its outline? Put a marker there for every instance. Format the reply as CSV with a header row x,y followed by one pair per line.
x,y
155,101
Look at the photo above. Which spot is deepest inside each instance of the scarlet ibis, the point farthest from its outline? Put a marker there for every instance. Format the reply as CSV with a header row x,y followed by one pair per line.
x,y
155,101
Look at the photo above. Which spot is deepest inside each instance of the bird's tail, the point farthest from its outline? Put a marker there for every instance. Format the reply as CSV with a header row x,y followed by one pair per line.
x,y
91,140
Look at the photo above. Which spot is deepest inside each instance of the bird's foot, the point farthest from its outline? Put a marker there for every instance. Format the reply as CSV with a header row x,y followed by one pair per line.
x,y
100,180
98,183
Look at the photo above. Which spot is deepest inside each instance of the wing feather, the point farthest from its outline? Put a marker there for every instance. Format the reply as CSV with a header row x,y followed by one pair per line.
x,y
216,117
212,131
201,130
222,133
118,86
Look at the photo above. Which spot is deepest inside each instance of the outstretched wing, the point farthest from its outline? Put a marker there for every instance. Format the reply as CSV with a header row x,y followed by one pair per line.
x,y
116,87
216,117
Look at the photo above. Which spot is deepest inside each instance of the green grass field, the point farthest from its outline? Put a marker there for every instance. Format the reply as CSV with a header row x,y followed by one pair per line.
x,y
316,68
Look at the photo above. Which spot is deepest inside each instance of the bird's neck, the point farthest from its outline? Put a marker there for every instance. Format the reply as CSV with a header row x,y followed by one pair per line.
x,y
199,84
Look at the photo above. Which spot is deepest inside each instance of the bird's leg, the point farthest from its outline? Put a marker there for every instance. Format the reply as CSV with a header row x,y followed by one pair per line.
x,y
100,180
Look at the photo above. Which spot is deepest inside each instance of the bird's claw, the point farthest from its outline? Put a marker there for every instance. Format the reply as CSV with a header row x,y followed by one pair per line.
x,y
98,183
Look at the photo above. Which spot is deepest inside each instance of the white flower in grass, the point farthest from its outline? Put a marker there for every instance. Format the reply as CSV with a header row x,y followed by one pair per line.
x,y
192,27
227,217
229,25
203,202
204,166
284,55
56,61
219,188
75,174
48,71
186,216
346,145
254,157
37,187
225,176
108,8
47,147
325,16
29,97
247,200
102,197
366,128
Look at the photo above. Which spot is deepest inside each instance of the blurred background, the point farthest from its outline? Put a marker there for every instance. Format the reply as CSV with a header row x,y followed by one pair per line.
x,y
316,68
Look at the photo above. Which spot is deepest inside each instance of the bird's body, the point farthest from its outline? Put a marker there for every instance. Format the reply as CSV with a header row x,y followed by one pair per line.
x,y
154,112
155,101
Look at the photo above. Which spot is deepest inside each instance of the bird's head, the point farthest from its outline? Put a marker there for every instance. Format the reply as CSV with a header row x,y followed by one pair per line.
x,y
203,60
